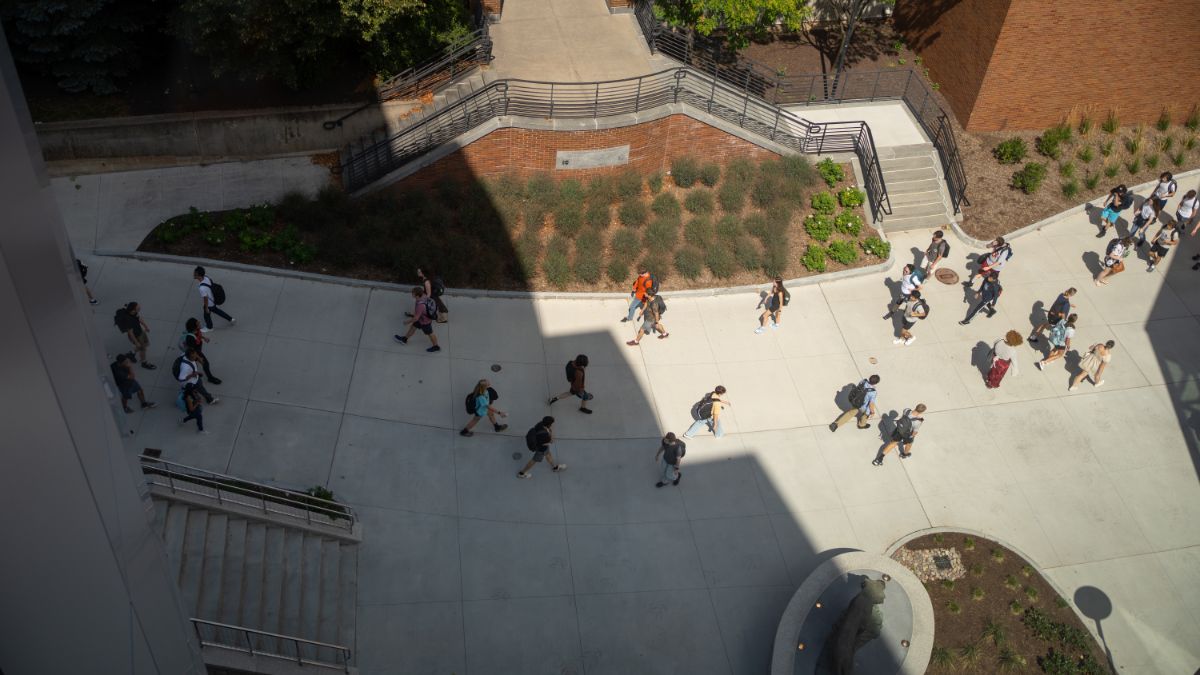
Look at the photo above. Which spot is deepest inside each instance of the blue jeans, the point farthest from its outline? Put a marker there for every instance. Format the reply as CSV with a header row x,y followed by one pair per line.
x,y
718,430
213,309
634,304
669,471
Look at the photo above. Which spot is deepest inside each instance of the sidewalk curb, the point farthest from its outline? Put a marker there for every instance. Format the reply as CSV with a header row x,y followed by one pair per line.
x,y
1082,208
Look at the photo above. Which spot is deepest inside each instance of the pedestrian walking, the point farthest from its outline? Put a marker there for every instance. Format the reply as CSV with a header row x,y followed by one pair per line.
x,y
83,270
1059,309
128,320
1164,190
538,440
936,252
1060,340
1114,259
1188,207
1119,198
916,308
191,401
186,370
651,318
194,338
910,282
669,456
421,318
1166,238
706,413
989,294
907,426
644,283
1093,364
434,288
212,295
1004,358
1141,222
479,405
862,404
576,371
1000,252
127,384
777,298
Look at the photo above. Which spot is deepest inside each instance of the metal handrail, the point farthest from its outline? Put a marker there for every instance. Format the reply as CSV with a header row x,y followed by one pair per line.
x,y
181,478
460,56
305,652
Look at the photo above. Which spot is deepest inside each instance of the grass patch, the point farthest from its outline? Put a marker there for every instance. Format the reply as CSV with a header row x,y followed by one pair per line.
x,y
625,244
633,213
685,171
689,262
699,202
588,250
699,232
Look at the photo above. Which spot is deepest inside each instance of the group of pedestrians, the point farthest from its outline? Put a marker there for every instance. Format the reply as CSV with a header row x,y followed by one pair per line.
x,y
1168,235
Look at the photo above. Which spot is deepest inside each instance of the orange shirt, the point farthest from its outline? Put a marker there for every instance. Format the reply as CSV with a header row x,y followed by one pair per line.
x,y
641,285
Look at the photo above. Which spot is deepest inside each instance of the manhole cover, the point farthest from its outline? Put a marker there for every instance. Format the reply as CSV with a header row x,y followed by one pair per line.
x,y
946,276
495,367
516,455
942,562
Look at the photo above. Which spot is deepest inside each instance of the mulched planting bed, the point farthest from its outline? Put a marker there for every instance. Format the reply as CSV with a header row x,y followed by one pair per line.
x,y
994,613
698,226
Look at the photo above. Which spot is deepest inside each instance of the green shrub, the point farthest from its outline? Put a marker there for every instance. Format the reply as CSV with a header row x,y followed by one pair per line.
x,y
1086,154
1193,119
720,262
747,253
598,215
508,187
1190,143
1051,140
1151,161
1166,143
814,258
568,219
1085,125
295,208
1106,148
797,169
629,184
541,190
633,213
1164,120
556,264
571,191
301,254
851,197
699,201
765,191
685,171
941,657
1177,159
617,271
655,182
728,228
710,174
534,215
1090,181
699,231
588,253
625,245
689,262
848,222
1070,189
824,203
775,258
1134,166
757,225
1133,144
831,172
254,240
1030,178
819,226
528,249
732,197
843,251
661,236
666,206
877,247
602,189
1111,122
739,170
1011,151
1066,170
658,262
1111,170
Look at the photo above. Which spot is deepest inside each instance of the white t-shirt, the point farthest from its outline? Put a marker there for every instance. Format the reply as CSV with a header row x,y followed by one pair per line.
x,y
205,287
1187,207
188,374
909,283
1147,212
1164,188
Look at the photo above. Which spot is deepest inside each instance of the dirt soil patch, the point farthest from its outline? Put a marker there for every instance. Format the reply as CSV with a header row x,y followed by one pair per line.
x,y
994,612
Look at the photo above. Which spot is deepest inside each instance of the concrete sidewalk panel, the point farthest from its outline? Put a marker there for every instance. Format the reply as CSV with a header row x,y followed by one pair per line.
x,y
488,487
394,465
473,328
161,290
739,552
513,560
823,383
878,526
914,374
847,451
160,428
808,537
791,472
1084,517
423,637
633,557
539,636
612,482
392,570
1158,346
954,459
303,373
320,312
250,298
285,445
1165,502
1001,512
412,387
767,396
522,392
748,618
1126,430
620,403
656,632
719,482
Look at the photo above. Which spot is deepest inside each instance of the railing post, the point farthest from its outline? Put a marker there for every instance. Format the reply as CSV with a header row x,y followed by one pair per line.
x,y
596,103
296,646
551,115
171,481
776,126
249,643
637,99
712,95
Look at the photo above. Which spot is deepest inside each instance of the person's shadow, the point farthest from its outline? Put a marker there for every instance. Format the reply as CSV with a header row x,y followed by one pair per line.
x,y
1092,260
981,358
1037,315
841,397
918,257
887,424
1095,605
762,299
893,287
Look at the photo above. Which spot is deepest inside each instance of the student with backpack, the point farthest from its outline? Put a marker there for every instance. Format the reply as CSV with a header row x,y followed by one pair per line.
x,y
907,427
434,288
910,282
576,375
1188,207
1119,198
129,321
862,404
421,319
1060,340
938,249
1164,190
186,370
1141,222
1114,259
916,308
643,284
777,298
194,338
479,405
1001,253
190,398
83,270
1059,309
1164,240
989,294
538,440
127,384
707,413
669,456
212,295
651,318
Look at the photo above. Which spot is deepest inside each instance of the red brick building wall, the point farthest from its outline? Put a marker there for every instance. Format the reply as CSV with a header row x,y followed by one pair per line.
x,y
1028,64
652,146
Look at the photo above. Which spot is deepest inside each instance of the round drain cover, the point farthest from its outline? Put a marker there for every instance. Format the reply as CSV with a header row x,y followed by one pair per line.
x,y
945,276
495,367
516,455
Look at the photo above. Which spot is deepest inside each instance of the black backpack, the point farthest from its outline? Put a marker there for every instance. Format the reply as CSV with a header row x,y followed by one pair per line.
x,y
123,320
571,372
437,287
83,269
787,297
704,407
858,395
921,304
946,249
660,305
470,402
176,366
904,426
531,438
218,292
653,285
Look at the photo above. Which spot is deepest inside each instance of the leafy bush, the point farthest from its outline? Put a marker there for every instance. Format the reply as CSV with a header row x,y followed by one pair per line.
x,y
799,170
598,215
831,172
732,197
710,174
747,253
728,228
301,254
556,265
587,257
824,203
1070,189
1086,154
629,184
1051,140
689,262
1030,178
685,171
1111,123
666,206
655,182
1011,151
625,245
617,271
633,213
699,201
720,262
661,236
851,197
1164,120
699,231
568,219
848,222
819,226
877,247
814,258
254,240
843,251
739,170
602,190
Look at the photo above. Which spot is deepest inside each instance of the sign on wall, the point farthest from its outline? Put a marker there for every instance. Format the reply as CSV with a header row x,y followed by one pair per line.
x,y
591,159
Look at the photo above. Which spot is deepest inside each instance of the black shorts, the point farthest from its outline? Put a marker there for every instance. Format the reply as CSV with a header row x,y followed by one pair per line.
x,y
129,389
901,438
424,328
907,324
540,454
1159,250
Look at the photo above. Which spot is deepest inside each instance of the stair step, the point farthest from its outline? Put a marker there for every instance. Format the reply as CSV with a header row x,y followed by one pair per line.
x,y
250,613
913,210
327,625
914,162
895,187
901,151
310,597
193,560
923,197
234,571
174,534
915,223
906,175
273,583
214,561
291,606
348,596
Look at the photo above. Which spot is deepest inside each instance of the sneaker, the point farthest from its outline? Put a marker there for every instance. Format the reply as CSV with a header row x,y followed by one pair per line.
x,y
833,426
759,330
560,467
147,404
1099,384
501,427
214,380
1150,268
877,461
551,400
897,341
664,336
149,366
204,329
401,339
677,477
524,475
909,341
625,320
963,323
1039,365
434,348
632,343
659,484
93,301
774,326
201,432
905,455
1072,387
1033,338
585,411
129,410
214,401
233,322
866,426
466,432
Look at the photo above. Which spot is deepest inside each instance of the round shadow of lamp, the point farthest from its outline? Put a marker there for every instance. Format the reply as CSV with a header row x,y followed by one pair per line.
x,y
1096,605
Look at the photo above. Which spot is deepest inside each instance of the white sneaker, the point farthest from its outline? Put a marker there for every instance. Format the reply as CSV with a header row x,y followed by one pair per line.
x,y
1100,383
774,325
758,331
205,330
897,341
233,322
909,341
1072,387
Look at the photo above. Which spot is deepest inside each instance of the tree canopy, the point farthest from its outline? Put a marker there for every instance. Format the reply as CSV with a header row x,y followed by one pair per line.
x,y
739,19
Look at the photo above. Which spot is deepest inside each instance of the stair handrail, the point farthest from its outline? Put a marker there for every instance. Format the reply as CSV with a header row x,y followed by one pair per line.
x,y
465,53
248,493
242,631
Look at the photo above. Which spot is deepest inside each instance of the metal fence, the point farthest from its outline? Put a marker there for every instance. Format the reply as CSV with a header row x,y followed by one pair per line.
x,y
260,643
463,55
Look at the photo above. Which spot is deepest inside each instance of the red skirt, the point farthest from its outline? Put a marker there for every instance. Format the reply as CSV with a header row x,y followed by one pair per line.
x,y
999,368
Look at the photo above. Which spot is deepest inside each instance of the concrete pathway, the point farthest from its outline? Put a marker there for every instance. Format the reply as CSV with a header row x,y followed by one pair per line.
x,y
466,569
890,121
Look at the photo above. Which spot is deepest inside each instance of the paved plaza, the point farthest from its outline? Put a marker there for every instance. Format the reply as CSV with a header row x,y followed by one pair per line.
x,y
465,569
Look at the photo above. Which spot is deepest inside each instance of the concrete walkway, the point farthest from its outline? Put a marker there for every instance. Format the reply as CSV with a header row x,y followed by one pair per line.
x,y
466,569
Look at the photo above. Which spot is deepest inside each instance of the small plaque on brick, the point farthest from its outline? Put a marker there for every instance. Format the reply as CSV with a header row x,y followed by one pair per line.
x,y
591,159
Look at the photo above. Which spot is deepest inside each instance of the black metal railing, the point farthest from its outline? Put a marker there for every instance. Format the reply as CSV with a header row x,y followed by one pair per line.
x,y
366,162
463,55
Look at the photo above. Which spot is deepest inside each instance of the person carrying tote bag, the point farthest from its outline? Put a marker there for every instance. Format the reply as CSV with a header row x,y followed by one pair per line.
x,y
1004,358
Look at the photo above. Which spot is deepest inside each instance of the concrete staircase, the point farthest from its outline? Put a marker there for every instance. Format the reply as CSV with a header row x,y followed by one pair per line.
x,y
915,185
445,98
262,575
